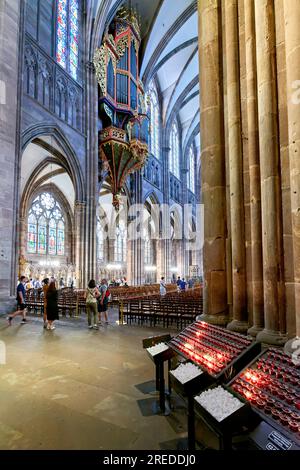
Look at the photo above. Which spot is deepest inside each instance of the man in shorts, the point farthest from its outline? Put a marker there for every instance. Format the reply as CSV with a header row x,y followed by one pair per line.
x,y
103,301
21,298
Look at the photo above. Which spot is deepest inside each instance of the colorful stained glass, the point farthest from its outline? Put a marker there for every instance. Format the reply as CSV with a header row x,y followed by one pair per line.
x,y
62,33
67,36
61,238
42,236
52,237
46,228
31,234
73,37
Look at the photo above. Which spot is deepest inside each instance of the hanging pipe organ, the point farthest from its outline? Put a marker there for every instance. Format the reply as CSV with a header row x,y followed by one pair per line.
x,y
123,141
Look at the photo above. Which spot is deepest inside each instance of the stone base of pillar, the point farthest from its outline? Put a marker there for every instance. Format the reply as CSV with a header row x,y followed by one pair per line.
x,y
7,305
254,330
238,326
221,319
292,348
272,337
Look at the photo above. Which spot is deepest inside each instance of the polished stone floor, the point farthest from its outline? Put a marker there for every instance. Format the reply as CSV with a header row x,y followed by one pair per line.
x,y
75,388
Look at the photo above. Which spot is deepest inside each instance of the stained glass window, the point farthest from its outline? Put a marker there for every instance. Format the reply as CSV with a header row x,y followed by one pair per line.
x,y
174,152
31,234
121,243
147,251
42,234
46,227
154,121
67,36
61,238
52,237
100,237
62,33
191,181
74,31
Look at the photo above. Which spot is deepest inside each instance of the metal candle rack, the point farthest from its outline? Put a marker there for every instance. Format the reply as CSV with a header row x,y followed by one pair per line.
x,y
219,353
271,384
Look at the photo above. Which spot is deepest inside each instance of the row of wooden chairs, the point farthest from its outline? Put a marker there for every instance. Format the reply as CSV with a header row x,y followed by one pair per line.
x,y
161,311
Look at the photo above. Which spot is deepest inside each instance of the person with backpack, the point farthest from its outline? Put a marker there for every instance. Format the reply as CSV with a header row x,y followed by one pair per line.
x,y
92,294
103,301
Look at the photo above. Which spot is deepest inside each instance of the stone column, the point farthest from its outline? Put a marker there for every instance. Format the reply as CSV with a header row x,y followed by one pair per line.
x,y
10,76
292,40
270,178
137,244
212,162
185,258
254,171
235,151
92,156
165,242
80,251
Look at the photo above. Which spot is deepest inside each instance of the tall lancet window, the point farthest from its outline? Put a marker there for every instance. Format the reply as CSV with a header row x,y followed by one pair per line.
x,y
154,121
191,180
174,151
67,35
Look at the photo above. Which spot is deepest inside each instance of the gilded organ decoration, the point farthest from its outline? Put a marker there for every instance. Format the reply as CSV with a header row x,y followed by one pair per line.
x,y
123,141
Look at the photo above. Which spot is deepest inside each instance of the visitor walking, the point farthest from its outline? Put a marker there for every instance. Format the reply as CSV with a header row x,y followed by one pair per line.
x,y
92,294
52,305
178,282
21,299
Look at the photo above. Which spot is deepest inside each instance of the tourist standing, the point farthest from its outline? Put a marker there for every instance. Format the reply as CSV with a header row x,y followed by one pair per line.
x,y
103,301
178,282
21,299
92,294
45,290
162,287
182,285
52,305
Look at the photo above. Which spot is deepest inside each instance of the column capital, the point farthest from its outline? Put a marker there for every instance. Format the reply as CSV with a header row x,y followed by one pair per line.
x,y
90,67
80,205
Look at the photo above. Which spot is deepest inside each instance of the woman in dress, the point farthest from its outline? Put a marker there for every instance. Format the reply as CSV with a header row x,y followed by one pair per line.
x,y
52,305
45,290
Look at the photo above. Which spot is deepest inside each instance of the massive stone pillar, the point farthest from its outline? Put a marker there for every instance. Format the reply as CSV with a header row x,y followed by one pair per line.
x,y
254,171
235,151
10,28
80,252
292,40
92,194
270,178
212,162
136,241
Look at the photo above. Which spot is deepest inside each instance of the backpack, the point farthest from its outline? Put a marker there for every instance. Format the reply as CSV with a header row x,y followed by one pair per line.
x,y
108,295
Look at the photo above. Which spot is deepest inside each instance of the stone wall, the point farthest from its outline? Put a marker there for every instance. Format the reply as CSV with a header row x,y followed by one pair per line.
x,y
9,60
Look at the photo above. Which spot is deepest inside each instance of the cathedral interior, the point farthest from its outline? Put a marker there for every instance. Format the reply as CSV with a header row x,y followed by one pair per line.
x,y
152,146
